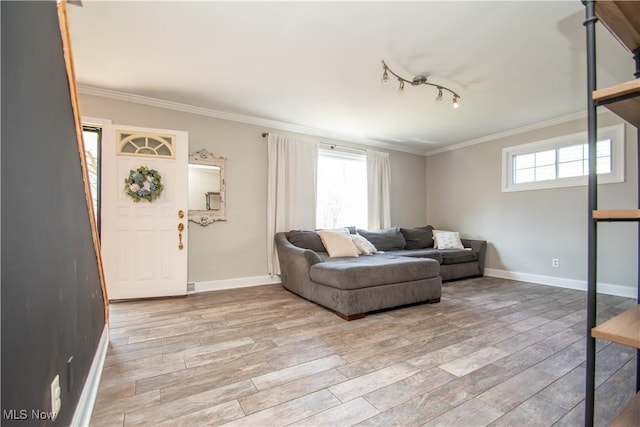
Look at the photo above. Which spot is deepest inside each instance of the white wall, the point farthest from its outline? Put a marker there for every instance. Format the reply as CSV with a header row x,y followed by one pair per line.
x,y
526,229
237,248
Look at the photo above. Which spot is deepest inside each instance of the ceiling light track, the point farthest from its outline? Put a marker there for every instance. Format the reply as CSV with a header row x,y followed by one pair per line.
x,y
417,81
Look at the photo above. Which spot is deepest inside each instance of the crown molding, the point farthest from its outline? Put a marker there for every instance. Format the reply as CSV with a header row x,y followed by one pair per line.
x,y
240,118
510,132
304,130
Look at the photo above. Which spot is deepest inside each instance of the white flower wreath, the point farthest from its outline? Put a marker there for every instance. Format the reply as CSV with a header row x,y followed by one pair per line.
x,y
143,183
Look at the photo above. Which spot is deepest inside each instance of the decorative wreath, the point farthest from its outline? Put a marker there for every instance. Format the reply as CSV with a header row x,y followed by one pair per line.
x,y
143,184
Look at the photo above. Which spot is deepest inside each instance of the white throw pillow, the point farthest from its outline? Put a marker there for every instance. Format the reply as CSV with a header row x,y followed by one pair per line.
x,y
338,244
446,240
364,246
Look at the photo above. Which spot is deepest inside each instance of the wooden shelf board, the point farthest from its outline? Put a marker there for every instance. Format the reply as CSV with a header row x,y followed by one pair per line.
x,y
612,92
629,108
622,329
624,214
622,19
630,415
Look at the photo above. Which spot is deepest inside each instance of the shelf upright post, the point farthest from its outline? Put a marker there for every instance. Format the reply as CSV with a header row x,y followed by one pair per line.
x,y
636,59
637,74
592,232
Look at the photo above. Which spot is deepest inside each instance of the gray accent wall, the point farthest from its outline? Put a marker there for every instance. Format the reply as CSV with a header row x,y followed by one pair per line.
x,y
237,248
52,305
526,229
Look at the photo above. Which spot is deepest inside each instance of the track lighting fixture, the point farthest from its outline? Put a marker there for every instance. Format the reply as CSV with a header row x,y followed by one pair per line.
x,y
417,81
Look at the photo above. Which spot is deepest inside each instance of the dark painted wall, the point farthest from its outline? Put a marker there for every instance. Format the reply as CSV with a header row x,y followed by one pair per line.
x,y
52,305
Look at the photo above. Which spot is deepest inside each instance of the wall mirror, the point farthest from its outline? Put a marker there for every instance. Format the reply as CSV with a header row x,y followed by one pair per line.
x,y
206,188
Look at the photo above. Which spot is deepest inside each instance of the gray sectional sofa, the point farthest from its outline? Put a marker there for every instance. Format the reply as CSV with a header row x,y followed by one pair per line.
x,y
407,270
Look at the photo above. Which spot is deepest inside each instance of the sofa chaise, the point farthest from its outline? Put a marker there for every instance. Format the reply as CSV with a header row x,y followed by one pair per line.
x,y
406,269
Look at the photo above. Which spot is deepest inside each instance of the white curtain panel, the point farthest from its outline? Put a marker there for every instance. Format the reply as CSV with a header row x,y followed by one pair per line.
x,y
378,197
291,191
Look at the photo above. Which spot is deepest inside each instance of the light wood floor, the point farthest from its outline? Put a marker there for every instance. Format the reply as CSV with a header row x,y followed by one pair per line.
x,y
493,352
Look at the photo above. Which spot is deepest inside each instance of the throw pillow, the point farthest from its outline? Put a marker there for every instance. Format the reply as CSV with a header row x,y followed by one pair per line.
x,y
338,244
306,239
447,239
428,228
346,230
385,240
418,238
433,232
364,246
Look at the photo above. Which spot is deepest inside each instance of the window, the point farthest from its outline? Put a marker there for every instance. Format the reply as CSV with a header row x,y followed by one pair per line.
x,y
563,161
342,188
91,136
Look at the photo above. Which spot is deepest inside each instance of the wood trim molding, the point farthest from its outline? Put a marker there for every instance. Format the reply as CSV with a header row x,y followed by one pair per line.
x,y
73,93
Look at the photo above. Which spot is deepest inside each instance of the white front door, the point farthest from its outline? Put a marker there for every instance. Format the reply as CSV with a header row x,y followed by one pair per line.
x,y
144,252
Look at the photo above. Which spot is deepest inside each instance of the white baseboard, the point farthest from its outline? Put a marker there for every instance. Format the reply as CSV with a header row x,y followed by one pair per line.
x,y
561,282
82,415
240,282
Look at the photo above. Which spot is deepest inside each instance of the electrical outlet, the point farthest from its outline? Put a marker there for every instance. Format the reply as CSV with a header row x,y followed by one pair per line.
x,y
554,262
56,399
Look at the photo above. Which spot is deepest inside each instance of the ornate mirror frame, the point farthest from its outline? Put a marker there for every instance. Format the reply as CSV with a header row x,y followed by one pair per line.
x,y
206,217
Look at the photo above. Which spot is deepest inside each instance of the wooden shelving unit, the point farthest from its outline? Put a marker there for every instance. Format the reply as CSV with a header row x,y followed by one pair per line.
x,y
617,215
622,19
630,415
622,99
622,329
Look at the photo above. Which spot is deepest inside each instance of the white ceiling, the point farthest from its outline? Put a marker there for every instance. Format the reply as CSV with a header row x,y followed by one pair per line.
x,y
317,64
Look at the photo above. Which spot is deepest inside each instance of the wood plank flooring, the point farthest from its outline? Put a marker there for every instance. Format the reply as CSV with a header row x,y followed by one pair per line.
x,y
492,352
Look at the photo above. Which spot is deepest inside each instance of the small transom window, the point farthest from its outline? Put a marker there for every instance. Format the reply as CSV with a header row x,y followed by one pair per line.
x,y
563,161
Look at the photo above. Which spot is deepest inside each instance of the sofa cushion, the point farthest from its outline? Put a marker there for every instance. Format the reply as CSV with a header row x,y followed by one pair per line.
x,y
419,253
385,240
338,243
306,239
363,272
418,238
458,256
324,256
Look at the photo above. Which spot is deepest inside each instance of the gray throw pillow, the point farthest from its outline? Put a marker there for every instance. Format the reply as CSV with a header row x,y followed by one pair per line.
x,y
418,238
306,239
385,240
430,229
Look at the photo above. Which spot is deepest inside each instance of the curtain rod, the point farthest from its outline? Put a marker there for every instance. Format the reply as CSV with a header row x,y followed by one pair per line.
x,y
266,134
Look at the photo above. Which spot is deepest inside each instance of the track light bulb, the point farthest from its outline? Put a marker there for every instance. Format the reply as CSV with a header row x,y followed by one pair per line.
x,y
385,77
455,102
401,86
439,97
